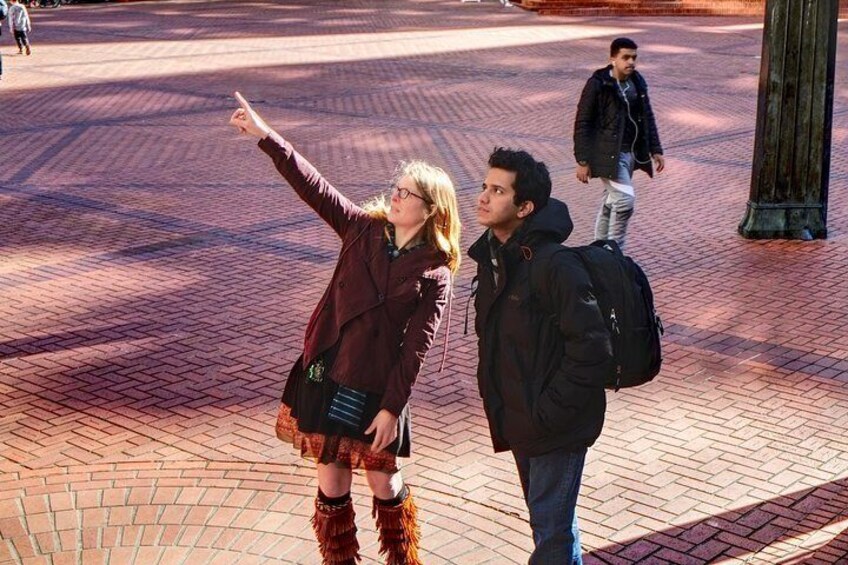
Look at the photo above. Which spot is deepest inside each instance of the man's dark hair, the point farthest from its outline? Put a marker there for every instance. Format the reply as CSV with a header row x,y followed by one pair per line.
x,y
621,43
532,179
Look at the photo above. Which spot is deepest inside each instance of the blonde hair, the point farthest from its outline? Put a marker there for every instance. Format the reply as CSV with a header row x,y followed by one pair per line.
x,y
441,229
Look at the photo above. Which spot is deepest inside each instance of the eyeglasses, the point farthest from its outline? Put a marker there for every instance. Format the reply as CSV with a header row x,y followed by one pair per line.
x,y
405,193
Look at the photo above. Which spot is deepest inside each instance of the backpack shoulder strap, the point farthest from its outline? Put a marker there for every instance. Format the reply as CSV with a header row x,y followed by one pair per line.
x,y
589,256
540,266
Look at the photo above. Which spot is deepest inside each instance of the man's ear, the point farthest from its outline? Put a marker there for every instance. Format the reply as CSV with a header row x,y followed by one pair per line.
x,y
526,209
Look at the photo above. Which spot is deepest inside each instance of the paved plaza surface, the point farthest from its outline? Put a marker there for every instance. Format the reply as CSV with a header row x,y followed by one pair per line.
x,y
156,278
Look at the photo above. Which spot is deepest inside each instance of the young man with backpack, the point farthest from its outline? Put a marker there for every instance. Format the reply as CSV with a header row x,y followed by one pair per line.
x,y
544,348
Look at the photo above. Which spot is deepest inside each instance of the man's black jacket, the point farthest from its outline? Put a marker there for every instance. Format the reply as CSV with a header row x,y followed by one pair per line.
x,y
600,122
541,377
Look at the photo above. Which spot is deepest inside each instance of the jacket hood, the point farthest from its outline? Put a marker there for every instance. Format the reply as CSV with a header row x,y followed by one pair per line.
x,y
603,74
551,223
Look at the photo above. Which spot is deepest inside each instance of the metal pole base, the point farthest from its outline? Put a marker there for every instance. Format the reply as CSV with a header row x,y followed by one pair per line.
x,y
784,221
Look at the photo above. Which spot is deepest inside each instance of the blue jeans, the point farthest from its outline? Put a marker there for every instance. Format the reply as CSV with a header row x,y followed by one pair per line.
x,y
551,483
618,202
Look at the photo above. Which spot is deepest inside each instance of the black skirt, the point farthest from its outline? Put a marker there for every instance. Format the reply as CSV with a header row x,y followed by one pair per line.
x,y
304,421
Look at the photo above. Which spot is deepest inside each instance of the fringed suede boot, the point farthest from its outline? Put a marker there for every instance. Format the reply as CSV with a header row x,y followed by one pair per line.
x,y
397,520
335,530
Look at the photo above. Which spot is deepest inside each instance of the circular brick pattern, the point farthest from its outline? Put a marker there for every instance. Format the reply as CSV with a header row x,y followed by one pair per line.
x,y
208,512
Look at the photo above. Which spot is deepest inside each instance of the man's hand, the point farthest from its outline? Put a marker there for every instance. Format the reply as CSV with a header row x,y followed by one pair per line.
x,y
659,162
384,428
583,173
246,120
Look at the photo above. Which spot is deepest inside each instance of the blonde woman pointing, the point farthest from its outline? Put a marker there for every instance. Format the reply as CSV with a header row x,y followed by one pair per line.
x,y
345,403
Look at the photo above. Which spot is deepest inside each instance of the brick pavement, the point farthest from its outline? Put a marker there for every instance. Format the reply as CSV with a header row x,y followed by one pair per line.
x,y
155,280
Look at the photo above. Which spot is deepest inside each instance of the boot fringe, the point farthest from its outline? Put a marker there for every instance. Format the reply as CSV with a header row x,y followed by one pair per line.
x,y
399,532
335,530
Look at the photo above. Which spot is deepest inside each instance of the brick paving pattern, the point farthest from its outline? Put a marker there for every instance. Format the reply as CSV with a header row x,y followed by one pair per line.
x,y
156,278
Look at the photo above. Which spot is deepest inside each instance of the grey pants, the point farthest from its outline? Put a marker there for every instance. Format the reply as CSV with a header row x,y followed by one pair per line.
x,y
618,203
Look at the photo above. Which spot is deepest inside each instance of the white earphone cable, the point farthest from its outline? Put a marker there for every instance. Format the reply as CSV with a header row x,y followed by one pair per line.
x,y
630,117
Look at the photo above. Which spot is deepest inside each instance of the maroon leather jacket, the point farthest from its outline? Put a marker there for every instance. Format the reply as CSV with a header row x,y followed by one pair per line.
x,y
382,314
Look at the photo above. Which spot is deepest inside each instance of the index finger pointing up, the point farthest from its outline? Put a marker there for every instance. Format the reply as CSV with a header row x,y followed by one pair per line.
x,y
244,103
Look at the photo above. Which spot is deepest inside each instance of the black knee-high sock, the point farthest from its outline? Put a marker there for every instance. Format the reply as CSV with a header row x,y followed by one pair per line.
x,y
330,501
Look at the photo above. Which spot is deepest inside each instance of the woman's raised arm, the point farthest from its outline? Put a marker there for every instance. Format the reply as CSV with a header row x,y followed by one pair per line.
x,y
333,207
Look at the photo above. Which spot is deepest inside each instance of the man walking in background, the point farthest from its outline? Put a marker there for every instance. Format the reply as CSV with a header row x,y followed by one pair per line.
x,y
615,133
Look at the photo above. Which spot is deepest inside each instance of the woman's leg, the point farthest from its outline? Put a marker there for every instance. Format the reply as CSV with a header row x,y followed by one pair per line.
x,y
334,519
334,479
397,518
385,486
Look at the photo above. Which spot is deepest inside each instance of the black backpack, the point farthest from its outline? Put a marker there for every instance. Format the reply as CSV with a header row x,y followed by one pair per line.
x,y
627,305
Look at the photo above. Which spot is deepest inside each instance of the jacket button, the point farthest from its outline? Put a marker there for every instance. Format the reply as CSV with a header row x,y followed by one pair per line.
x,y
341,284
380,297
401,279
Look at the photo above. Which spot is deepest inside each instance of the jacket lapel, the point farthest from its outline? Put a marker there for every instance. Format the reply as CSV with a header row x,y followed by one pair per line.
x,y
378,263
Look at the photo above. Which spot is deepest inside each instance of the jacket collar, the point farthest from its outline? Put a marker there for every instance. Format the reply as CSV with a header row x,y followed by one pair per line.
x,y
603,75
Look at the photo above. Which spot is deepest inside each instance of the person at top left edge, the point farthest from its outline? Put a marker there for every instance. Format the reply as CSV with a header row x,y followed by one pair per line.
x,y
345,403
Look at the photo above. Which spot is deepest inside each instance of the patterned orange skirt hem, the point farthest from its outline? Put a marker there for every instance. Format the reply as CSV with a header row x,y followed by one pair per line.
x,y
332,448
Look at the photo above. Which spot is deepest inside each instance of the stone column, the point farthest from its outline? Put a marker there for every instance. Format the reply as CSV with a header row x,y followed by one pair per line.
x,y
791,165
